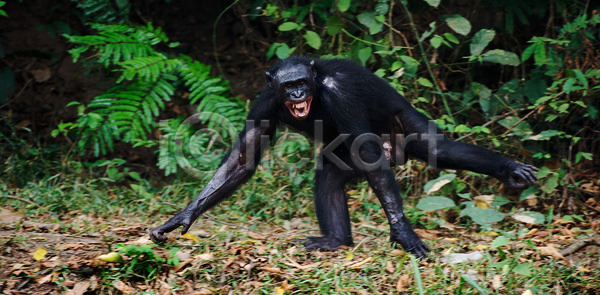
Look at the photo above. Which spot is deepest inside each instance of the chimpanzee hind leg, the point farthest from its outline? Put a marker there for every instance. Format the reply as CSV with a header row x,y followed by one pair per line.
x,y
332,208
383,183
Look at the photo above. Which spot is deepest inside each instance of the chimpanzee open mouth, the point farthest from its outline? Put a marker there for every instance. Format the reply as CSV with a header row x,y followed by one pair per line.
x,y
299,110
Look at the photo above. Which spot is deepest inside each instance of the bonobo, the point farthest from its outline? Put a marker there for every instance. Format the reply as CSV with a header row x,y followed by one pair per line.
x,y
365,126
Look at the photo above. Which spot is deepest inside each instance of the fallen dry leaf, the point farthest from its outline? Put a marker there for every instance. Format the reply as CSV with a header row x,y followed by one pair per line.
x,y
389,267
401,285
119,285
39,254
255,235
496,282
281,289
351,264
302,267
189,237
8,217
140,242
70,246
551,251
80,288
44,279
349,256
181,265
524,218
275,270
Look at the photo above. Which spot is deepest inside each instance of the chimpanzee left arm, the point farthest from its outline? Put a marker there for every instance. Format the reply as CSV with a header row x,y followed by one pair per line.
x,y
439,151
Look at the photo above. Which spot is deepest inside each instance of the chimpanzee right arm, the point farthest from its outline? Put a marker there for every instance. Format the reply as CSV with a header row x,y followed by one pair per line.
x,y
235,169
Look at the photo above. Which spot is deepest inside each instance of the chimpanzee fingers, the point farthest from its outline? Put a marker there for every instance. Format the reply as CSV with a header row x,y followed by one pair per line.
x,y
186,227
157,235
525,177
527,173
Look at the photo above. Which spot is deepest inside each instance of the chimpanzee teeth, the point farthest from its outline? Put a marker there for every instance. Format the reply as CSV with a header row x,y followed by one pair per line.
x,y
300,105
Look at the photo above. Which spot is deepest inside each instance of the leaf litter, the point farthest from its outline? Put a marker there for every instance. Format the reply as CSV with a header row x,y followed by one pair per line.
x,y
82,255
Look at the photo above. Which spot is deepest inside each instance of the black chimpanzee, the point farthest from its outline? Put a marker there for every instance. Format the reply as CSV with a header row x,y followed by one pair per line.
x,y
364,125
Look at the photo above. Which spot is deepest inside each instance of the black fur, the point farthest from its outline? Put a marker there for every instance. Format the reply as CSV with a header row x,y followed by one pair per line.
x,y
345,102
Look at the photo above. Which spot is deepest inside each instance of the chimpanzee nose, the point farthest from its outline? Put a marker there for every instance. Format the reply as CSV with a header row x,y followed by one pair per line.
x,y
298,94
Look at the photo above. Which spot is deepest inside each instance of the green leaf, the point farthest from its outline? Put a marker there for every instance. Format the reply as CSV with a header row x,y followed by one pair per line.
x,y
375,28
288,26
528,52
502,57
368,19
436,41
483,216
334,25
382,8
581,77
436,184
343,5
523,269
450,37
283,51
481,40
424,82
433,3
459,24
499,201
499,242
364,54
569,85
435,203
583,155
312,39
550,184
411,66
539,55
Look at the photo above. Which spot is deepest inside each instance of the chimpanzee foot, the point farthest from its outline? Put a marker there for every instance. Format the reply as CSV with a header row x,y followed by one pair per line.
x,y
403,234
322,243
416,247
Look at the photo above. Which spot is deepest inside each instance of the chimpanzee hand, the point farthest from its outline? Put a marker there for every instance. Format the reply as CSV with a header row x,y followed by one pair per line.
x,y
518,175
184,218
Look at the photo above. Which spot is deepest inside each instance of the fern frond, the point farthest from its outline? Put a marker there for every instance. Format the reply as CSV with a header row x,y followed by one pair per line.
x,y
147,68
128,111
116,43
103,10
211,92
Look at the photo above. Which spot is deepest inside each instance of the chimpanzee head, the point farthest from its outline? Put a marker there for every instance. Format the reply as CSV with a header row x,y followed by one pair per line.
x,y
294,83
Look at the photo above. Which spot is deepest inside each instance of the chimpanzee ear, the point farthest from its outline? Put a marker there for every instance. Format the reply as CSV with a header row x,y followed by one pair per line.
x,y
312,69
269,78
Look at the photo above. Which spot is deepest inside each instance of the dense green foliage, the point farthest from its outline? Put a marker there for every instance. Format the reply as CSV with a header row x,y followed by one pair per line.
x,y
147,79
543,102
